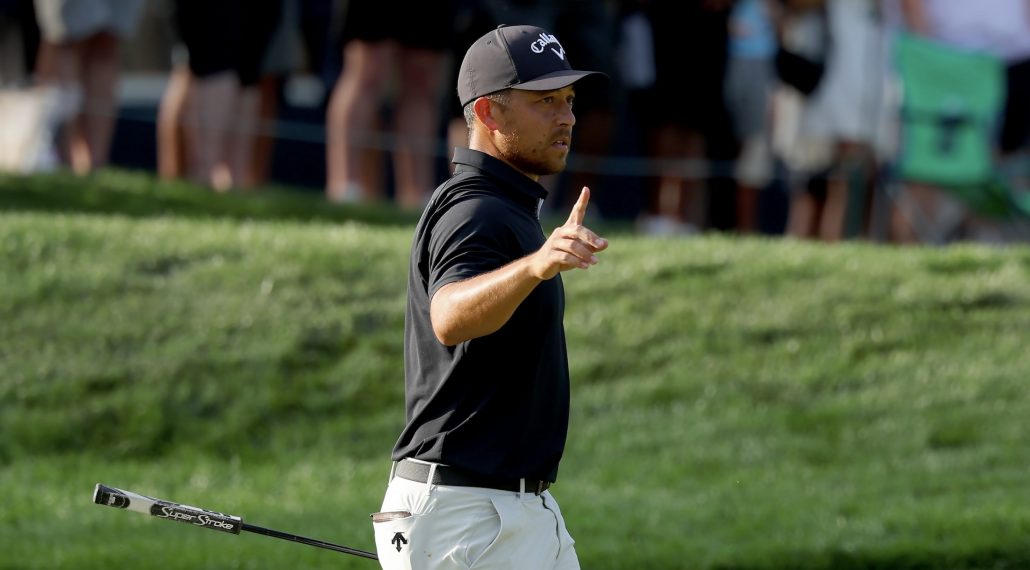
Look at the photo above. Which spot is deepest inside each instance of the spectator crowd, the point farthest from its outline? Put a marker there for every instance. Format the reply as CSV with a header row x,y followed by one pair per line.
x,y
899,120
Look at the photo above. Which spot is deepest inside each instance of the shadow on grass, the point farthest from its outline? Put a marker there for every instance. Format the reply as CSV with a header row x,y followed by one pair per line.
x,y
142,195
988,558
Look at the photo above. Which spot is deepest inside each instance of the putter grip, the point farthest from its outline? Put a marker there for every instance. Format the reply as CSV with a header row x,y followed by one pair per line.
x,y
120,499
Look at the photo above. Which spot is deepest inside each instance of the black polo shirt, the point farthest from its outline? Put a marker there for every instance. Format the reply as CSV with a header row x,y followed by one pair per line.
x,y
497,405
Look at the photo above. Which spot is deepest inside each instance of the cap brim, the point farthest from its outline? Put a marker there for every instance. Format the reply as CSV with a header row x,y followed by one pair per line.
x,y
560,79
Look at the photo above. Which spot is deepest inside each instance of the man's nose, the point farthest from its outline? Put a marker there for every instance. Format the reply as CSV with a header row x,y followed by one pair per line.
x,y
566,116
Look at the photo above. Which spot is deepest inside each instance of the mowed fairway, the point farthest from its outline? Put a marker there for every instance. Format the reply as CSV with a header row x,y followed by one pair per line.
x,y
737,403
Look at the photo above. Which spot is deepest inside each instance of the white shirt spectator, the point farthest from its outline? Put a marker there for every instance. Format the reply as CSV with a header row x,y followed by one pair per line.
x,y
997,27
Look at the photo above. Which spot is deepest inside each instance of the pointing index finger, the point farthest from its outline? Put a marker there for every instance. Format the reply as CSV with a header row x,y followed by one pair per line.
x,y
579,210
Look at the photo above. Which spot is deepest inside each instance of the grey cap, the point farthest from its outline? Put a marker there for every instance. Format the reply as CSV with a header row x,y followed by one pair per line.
x,y
521,57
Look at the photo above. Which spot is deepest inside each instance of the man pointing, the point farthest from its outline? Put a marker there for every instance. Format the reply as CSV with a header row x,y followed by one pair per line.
x,y
486,371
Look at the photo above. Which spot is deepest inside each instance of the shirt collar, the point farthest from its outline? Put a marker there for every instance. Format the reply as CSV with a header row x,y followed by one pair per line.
x,y
531,192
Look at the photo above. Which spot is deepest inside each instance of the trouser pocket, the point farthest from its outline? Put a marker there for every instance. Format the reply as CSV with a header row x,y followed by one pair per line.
x,y
393,538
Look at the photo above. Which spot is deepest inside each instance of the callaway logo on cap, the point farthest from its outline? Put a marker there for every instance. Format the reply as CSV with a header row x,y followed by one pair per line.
x,y
523,57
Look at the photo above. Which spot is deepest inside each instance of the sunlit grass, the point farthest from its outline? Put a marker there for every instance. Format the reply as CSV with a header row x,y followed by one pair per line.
x,y
737,403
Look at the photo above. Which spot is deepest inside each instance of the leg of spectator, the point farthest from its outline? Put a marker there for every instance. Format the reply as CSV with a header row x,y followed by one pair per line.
x,y
832,220
803,212
242,136
417,123
695,192
353,111
904,214
75,130
925,214
264,140
753,173
58,66
46,62
669,140
171,159
747,209
666,207
831,223
211,107
100,67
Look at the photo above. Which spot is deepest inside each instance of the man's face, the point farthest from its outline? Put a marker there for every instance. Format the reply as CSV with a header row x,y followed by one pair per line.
x,y
536,130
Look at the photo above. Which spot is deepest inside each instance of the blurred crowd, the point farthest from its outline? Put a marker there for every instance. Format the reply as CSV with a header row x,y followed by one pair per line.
x,y
901,120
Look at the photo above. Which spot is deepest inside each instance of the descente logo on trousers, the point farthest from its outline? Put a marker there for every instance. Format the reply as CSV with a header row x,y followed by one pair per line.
x,y
546,40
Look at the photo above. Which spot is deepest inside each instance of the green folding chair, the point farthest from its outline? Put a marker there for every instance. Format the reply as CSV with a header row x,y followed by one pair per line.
x,y
950,104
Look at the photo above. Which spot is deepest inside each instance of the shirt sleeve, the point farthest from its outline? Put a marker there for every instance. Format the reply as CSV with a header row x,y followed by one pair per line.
x,y
467,241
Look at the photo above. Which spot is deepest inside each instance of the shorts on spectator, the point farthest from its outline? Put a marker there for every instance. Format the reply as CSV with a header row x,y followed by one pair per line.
x,y
755,163
72,20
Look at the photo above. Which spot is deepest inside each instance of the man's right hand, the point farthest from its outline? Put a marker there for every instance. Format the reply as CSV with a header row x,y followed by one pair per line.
x,y
480,305
570,246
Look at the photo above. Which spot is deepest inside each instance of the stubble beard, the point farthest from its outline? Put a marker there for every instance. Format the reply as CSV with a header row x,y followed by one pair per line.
x,y
538,164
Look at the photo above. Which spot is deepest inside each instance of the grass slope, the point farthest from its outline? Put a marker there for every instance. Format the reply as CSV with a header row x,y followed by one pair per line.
x,y
140,194
738,404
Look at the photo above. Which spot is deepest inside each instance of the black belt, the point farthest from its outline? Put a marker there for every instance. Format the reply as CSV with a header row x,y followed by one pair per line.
x,y
447,475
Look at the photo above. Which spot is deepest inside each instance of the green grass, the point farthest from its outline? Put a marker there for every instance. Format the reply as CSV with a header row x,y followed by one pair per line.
x,y
139,194
737,403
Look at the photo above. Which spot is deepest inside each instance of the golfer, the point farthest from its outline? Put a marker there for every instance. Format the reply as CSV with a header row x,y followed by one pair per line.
x,y
486,372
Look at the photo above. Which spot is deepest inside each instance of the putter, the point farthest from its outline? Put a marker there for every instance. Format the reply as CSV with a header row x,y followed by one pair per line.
x,y
117,498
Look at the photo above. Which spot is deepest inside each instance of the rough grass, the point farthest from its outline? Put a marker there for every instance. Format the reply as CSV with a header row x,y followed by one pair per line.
x,y
738,404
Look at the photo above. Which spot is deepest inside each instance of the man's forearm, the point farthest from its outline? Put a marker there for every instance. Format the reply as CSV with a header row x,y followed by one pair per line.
x,y
481,305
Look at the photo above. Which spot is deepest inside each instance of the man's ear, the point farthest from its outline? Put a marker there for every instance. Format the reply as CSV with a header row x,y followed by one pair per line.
x,y
486,112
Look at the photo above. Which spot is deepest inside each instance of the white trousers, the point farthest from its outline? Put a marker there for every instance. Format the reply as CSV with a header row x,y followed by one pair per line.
x,y
471,528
